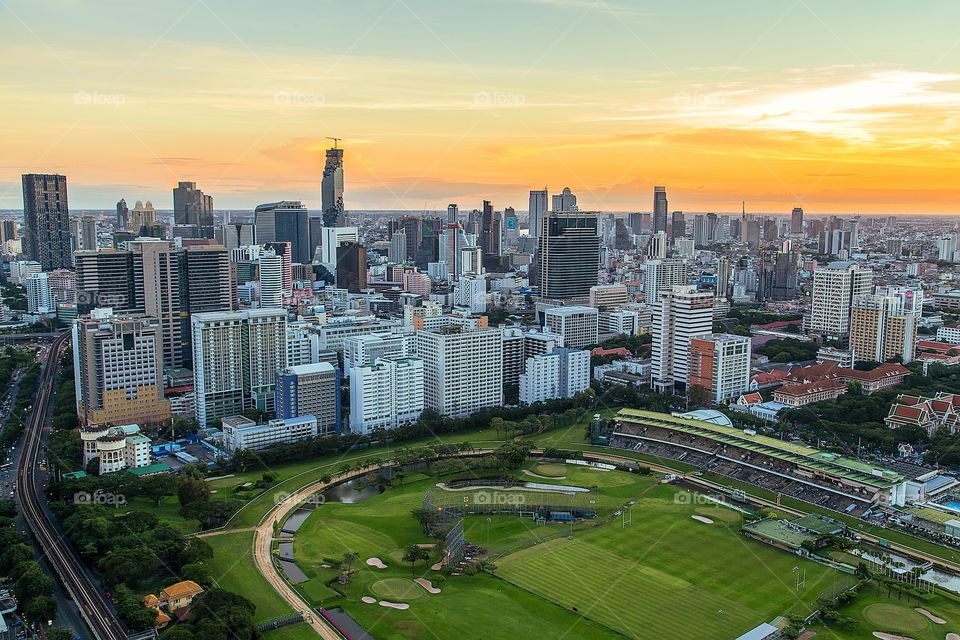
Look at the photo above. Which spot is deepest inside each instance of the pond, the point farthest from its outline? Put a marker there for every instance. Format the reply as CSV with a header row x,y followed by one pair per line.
x,y
351,492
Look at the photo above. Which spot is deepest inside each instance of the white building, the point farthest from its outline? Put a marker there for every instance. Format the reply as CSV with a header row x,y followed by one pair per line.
x,y
949,334
663,275
620,321
240,433
608,296
721,364
463,370
117,448
20,269
39,298
578,326
303,345
834,288
678,315
386,394
333,237
562,373
471,292
366,349
270,267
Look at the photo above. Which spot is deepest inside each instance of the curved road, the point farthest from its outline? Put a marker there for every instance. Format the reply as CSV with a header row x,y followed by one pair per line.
x,y
93,607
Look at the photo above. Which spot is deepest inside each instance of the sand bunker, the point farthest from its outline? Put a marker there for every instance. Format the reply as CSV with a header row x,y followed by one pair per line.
x,y
703,519
890,636
437,566
426,584
376,562
368,600
403,606
953,636
933,618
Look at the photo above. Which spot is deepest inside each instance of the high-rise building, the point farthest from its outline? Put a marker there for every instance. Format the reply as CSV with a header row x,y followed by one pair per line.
x,y
537,210
513,360
398,247
881,329
463,369
720,363
238,234
236,356
577,326
8,230
366,349
331,189
310,390
351,266
386,394
119,370
192,207
657,246
706,230
270,277
723,277
608,296
564,202
562,373
834,288
490,236
333,237
83,232
144,216
678,226
46,217
285,251
785,276
123,214
568,254
470,292
413,234
39,298
679,315
286,221
947,247
663,275
796,221
659,209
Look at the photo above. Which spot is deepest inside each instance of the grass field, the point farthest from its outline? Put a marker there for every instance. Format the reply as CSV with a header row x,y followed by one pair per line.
x,y
667,575
234,570
875,611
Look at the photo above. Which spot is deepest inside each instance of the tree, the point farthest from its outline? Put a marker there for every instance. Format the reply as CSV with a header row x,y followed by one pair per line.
x,y
156,487
93,467
40,609
59,633
192,489
698,396
498,425
413,554
199,572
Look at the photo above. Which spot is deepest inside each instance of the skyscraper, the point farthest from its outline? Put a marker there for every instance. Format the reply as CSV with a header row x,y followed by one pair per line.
x,y
881,329
310,390
679,315
83,233
386,394
193,207
663,275
537,209
351,266
721,364
123,214
565,201
659,209
678,226
796,221
46,217
834,288
491,231
143,215
286,221
568,254
270,271
285,251
331,189
238,234
463,370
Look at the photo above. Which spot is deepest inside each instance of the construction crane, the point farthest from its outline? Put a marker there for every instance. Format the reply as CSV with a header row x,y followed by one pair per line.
x,y
335,141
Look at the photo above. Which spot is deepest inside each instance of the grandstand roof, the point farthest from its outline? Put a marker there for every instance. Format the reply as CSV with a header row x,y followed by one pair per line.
x,y
708,415
809,457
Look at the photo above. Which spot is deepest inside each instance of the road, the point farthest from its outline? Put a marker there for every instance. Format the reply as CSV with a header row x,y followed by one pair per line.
x,y
93,607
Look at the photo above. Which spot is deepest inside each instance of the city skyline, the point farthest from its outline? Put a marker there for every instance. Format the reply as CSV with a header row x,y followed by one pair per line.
x,y
812,105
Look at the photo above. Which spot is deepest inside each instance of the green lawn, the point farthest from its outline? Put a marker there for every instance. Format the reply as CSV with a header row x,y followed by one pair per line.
x,y
301,631
609,580
875,611
234,570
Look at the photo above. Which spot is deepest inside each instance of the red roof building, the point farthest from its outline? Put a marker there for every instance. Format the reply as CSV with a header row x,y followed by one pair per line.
x,y
930,414
799,395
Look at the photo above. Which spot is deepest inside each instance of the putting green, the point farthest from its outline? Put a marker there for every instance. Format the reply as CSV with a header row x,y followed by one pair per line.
x,y
397,589
551,470
895,617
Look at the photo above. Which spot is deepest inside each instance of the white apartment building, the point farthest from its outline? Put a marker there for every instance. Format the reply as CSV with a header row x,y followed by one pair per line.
x,y
578,326
39,298
240,433
471,292
834,288
678,315
949,334
620,321
335,331
271,280
463,370
20,269
366,349
303,345
386,394
721,364
663,275
562,373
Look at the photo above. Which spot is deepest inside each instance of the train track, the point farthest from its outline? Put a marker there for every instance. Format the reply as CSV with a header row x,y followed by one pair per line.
x,y
93,607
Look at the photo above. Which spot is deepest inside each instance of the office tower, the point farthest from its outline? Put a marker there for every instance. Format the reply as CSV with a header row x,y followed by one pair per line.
x,y
685,247
947,248
568,254
608,296
470,292
638,223
285,251
659,209
537,209
123,214
895,247
236,355
657,246
205,272
463,370
564,202
143,216
490,237
286,221
351,266
331,189
386,394
751,233
270,270
84,233
577,326
8,230
834,288
119,370
723,277
238,234
157,277
679,315
663,275
398,247
193,208
510,227
854,242
785,276
796,221
310,390
881,329
46,217
471,260
720,363
360,350
546,374
705,230
333,237
39,299
413,234
678,226
303,345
